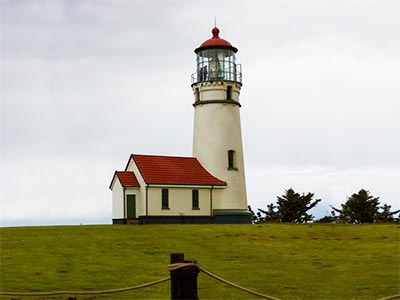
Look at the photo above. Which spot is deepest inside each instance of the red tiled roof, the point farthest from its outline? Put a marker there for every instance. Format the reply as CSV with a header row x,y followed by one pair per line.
x,y
174,170
126,179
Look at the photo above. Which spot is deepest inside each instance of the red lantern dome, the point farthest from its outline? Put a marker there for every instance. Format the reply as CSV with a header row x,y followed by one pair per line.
x,y
215,42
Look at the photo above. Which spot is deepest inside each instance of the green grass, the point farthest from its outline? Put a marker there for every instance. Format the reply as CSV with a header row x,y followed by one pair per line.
x,y
306,262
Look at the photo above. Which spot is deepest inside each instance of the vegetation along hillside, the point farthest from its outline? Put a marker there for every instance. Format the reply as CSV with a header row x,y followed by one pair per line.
x,y
289,262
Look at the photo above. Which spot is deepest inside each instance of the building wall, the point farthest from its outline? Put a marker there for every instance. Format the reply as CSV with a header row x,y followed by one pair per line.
x,y
217,129
117,200
134,191
180,201
216,90
140,204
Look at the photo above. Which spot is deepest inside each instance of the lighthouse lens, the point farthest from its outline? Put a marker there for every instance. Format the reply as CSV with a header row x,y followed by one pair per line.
x,y
216,64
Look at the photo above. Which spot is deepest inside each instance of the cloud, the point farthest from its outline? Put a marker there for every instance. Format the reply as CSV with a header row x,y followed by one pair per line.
x,y
321,102
84,84
331,184
54,188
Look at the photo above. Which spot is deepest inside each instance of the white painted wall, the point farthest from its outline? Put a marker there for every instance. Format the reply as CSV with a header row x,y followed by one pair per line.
x,y
180,198
180,202
216,90
134,191
117,200
141,200
217,130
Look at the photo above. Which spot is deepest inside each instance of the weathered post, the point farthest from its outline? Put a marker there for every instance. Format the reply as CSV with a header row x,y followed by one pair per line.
x,y
183,278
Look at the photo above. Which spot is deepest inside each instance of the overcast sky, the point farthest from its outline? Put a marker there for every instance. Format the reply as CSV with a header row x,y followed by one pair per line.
x,y
86,83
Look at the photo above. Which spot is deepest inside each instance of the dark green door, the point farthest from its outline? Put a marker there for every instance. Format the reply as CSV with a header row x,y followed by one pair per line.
x,y
131,206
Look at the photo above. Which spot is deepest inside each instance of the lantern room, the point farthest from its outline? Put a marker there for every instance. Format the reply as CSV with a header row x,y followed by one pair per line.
x,y
216,61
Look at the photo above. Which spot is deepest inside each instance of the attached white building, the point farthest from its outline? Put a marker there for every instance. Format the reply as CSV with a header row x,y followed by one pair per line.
x,y
210,186
164,189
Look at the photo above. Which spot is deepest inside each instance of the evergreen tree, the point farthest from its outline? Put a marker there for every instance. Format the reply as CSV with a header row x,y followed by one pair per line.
x,y
254,217
328,219
270,215
387,216
291,208
364,208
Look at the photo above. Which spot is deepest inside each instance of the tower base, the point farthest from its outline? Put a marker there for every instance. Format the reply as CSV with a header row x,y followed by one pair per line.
x,y
232,216
221,216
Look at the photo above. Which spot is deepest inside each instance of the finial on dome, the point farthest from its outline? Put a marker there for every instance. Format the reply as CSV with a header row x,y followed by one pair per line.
x,y
215,32
215,42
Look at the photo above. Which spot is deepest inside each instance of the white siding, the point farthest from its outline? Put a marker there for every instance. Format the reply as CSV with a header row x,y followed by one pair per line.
x,y
117,200
180,202
134,191
141,200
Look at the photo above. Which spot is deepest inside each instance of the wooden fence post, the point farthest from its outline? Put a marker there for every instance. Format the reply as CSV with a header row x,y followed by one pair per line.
x,y
184,280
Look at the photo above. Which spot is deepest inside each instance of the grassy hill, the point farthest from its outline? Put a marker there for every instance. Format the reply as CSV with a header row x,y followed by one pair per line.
x,y
313,262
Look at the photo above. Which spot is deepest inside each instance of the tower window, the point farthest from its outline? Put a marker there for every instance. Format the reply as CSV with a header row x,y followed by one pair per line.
x,y
229,92
232,160
197,95
195,199
164,199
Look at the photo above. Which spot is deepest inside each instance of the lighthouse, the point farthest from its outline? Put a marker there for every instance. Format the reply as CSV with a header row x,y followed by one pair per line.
x,y
217,137
208,187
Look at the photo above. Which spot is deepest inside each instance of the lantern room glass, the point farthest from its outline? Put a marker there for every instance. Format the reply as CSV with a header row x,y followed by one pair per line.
x,y
216,64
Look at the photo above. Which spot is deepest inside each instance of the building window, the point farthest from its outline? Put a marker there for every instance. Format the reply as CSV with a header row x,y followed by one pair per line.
x,y
229,92
232,160
197,94
164,199
195,199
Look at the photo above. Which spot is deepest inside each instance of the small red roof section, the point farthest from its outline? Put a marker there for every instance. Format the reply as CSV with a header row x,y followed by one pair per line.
x,y
126,178
174,170
215,41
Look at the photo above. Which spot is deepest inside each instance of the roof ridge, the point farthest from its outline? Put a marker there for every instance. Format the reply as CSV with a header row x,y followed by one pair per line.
x,y
124,180
159,155
156,169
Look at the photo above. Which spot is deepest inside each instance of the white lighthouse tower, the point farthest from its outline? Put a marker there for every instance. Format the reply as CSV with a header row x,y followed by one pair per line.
x,y
217,139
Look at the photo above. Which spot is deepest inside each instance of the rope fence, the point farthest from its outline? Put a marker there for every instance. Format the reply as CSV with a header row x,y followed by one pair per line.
x,y
263,295
171,268
391,297
120,290
237,286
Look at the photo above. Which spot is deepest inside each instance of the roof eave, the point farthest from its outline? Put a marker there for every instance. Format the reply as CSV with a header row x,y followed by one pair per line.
x,y
159,184
197,50
113,180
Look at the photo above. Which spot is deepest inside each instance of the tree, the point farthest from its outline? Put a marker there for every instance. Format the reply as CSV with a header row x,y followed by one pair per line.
x,y
364,208
254,218
387,216
328,219
270,214
291,207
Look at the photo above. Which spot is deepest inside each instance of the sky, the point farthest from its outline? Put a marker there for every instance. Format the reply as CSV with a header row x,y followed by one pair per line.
x,y
86,83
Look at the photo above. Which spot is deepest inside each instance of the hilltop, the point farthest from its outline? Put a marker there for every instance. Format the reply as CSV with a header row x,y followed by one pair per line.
x,y
290,262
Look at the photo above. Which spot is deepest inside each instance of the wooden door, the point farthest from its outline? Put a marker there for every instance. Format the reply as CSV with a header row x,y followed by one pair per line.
x,y
131,206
